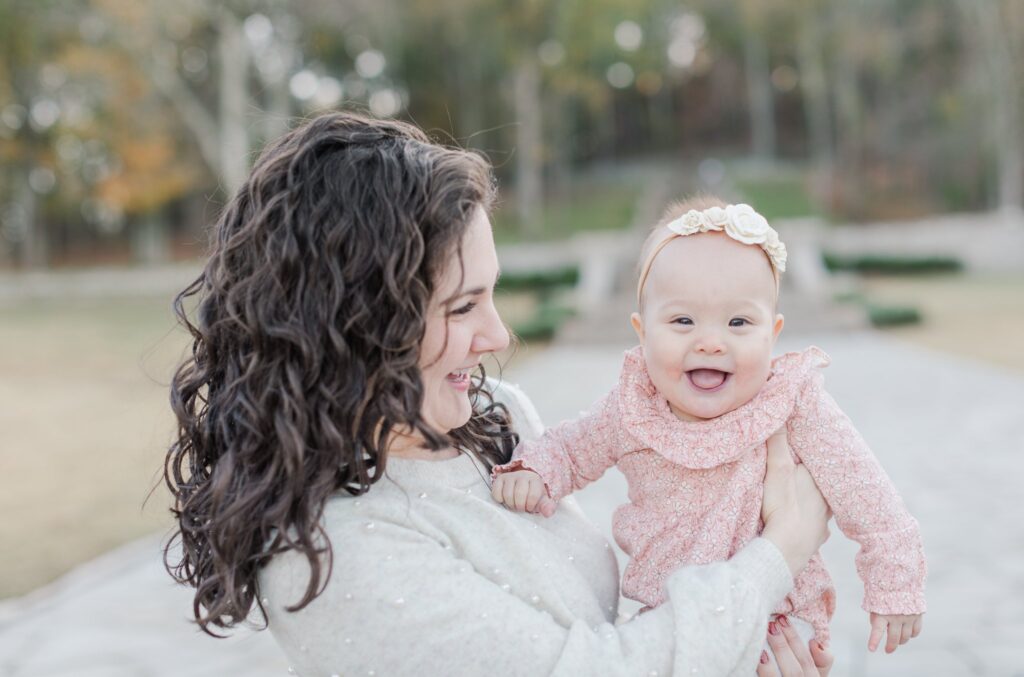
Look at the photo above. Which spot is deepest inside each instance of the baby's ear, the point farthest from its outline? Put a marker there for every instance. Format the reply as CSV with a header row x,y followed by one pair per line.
x,y
638,325
777,329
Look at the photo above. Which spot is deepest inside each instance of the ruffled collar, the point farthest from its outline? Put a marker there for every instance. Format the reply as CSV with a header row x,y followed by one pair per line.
x,y
706,444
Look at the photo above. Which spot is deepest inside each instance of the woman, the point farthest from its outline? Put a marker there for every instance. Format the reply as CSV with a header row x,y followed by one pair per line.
x,y
336,433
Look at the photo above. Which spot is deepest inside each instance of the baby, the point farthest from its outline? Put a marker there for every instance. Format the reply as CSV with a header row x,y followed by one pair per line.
x,y
688,422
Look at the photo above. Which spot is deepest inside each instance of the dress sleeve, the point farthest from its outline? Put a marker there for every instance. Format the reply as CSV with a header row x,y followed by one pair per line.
x,y
865,503
574,453
420,610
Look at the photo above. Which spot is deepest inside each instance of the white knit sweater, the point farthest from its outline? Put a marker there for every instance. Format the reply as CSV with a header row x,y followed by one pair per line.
x,y
432,577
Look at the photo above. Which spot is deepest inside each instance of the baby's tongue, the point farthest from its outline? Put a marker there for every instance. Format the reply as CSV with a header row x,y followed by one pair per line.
x,y
707,378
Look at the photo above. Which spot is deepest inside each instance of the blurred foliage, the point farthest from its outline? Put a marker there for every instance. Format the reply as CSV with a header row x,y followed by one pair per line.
x,y
540,280
124,124
892,316
892,265
587,208
778,197
544,324
549,311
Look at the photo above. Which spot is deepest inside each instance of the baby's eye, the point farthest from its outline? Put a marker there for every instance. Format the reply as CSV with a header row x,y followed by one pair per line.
x,y
738,322
683,320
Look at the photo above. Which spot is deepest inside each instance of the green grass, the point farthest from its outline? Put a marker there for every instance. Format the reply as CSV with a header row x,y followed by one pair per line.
x,y
604,207
777,197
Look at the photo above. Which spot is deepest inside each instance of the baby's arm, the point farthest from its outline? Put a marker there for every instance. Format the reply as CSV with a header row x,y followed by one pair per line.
x,y
868,509
567,456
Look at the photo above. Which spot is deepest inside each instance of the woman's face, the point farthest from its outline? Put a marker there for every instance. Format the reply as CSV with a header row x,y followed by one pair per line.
x,y
462,326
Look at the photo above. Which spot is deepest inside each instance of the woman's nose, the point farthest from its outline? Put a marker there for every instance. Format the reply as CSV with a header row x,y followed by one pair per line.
x,y
492,336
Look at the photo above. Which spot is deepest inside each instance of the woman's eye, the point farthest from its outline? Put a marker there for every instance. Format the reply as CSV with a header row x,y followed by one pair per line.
x,y
738,322
462,310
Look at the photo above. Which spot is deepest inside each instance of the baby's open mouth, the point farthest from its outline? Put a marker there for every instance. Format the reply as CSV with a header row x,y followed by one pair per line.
x,y
708,380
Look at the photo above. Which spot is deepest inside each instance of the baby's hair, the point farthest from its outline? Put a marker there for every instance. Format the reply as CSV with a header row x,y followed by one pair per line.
x,y
697,201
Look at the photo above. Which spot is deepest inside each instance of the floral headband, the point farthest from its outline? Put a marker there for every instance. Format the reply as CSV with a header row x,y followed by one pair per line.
x,y
739,221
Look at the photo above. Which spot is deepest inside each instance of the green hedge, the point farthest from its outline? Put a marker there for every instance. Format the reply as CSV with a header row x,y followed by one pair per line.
x,y
545,322
539,280
893,265
892,316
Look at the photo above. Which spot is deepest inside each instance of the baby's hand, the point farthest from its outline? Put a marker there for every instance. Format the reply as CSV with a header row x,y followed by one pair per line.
x,y
523,490
900,630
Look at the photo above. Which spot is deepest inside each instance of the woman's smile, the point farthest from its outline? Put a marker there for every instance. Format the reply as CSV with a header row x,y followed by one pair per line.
x,y
459,379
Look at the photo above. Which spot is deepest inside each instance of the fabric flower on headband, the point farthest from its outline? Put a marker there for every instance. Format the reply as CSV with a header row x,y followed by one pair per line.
x,y
740,222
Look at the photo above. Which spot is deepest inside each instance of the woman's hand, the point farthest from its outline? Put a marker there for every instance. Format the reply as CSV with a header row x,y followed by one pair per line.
x,y
792,658
794,511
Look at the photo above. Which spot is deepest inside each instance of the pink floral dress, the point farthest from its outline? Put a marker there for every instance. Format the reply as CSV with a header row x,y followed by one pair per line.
x,y
695,487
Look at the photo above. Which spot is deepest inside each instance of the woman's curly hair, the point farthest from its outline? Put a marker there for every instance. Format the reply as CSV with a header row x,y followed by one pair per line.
x,y
305,353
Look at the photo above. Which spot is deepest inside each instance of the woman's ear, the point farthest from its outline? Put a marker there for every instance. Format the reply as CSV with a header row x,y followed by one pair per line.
x,y
638,325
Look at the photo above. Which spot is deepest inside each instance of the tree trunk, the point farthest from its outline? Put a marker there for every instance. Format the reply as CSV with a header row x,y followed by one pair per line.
x,y
529,195
759,95
151,239
35,247
816,102
849,118
277,98
559,129
234,95
1005,99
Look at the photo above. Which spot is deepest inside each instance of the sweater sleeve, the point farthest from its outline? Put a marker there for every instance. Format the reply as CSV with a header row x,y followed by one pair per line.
x,y
401,604
574,453
866,505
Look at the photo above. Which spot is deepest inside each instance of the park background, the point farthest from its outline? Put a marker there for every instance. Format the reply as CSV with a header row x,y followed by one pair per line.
x,y
883,139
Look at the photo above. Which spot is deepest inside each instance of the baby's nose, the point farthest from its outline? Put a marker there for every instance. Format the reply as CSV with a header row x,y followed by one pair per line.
x,y
710,345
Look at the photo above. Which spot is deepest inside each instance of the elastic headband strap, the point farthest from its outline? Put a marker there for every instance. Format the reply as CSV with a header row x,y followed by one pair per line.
x,y
646,270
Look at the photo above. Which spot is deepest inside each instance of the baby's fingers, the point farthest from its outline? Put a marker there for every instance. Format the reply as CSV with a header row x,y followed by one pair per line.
x,y
535,491
893,638
546,506
508,492
877,631
918,623
497,487
906,632
821,656
521,493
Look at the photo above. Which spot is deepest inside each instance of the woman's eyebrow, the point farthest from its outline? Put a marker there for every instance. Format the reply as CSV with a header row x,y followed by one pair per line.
x,y
475,291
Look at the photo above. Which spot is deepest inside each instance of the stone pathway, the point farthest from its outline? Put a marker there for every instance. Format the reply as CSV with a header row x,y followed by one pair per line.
x,y
947,430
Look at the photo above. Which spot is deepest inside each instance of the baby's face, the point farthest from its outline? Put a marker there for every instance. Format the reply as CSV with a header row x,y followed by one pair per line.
x,y
708,324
